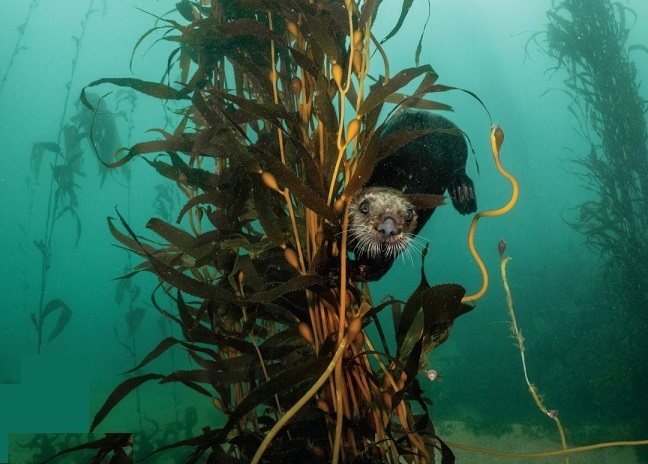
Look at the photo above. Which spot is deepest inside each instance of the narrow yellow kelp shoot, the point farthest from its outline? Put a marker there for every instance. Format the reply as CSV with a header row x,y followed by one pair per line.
x,y
551,413
496,139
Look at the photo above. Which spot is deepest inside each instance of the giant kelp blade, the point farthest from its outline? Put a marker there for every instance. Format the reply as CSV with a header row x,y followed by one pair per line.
x,y
128,241
118,394
304,193
179,238
109,443
363,169
368,12
153,89
322,105
411,369
134,318
447,456
323,28
38,150
379,94
295,284
419,46
185,9
407,4
265,214
441,306
271,112
412,306
65,313
286,380
178,279
405,101
396,140
172,144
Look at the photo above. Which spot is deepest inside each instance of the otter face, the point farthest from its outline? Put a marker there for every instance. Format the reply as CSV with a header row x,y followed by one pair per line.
x,y
380,222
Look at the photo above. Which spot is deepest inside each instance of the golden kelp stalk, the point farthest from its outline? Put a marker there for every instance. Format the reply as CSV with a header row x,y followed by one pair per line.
x,y
278,128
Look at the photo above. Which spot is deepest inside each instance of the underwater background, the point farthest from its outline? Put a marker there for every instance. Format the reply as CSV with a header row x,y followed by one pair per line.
x,y
581,337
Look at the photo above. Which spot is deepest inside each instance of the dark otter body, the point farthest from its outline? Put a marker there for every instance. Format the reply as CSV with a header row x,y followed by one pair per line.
x,y
429,164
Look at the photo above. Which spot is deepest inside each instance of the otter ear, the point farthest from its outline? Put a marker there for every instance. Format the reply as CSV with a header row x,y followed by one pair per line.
x,y
425,201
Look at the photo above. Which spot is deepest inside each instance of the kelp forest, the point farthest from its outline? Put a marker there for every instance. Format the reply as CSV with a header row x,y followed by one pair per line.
x,y
276,117
589,41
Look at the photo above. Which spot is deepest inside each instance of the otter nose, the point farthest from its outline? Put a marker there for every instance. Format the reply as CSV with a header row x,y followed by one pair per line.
x,y
387,228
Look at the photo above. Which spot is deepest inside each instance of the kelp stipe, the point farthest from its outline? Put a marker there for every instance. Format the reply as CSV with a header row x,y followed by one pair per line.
x,y
517,333
18,47
62,200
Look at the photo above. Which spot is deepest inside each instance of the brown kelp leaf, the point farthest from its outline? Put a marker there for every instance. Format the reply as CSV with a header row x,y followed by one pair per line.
x,y
270,112
363,169
140,40
77,219
295,284
128,241
444,88
412,306
396,140
407,4
153,89
249,26
185,9
412,362
379,94
301,191
405,101
118,394
286,380
179,280
441,306
175,143
368,12
217,199
188,284
134,318
265,214
226,371
111,443
195,177
64,316
320,29
177,237
196,332
157,351
426,201
38,150
447,456
190,378
322,105
303,61
419,45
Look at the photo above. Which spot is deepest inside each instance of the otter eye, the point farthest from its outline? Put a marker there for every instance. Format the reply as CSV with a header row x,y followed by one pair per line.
x,y
409,214
364,207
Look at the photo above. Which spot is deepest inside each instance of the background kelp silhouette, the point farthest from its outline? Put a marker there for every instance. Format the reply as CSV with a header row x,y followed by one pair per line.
x,y
276,131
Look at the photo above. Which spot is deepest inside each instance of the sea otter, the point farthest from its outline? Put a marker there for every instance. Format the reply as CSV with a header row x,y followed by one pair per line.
x,y
382,218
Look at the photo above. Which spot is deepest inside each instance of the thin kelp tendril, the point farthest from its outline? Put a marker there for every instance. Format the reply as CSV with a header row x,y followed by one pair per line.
x,y
496,138
18,47
354,327
551,413
579,449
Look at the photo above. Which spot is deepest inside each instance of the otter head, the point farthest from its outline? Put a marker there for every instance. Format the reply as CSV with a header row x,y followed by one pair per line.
x,y
381,220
